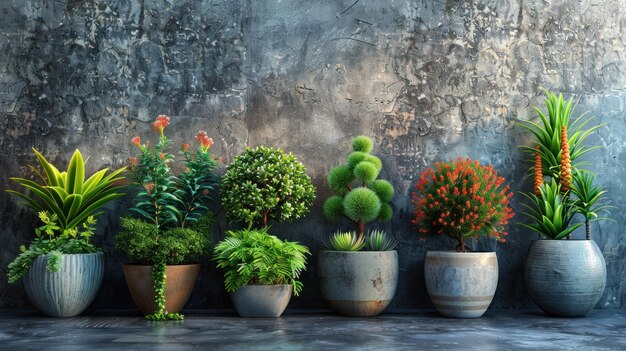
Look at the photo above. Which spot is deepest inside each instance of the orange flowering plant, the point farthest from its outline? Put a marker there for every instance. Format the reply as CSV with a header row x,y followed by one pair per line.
x,y
462,199
173,215
168,200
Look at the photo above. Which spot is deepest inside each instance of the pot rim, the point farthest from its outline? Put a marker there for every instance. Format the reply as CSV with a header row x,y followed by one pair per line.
x,y
167,265
266,285
79,254
356,252
461,254
562,240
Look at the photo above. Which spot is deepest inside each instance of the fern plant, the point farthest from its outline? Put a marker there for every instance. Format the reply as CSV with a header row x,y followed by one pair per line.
x,y
67,206
254,257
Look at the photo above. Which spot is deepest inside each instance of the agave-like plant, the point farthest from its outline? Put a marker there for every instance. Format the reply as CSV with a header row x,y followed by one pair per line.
x,y
67,194
378,240
344,241
551,212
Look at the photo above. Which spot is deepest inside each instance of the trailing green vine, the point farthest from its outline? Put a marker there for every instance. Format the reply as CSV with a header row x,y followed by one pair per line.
x,y
158,279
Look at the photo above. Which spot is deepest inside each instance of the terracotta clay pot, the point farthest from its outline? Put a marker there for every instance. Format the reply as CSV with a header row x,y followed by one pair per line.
x,y
179,282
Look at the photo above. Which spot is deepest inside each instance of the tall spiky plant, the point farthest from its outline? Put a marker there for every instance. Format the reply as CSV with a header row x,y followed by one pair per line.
x,y
559,144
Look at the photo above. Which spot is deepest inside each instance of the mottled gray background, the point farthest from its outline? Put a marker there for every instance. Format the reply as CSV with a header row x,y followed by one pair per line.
x,y
429,80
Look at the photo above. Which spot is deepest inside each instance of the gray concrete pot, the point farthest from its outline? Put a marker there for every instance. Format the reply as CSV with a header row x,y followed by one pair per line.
x,y
70,290
262,301
461,284
565,278
359,283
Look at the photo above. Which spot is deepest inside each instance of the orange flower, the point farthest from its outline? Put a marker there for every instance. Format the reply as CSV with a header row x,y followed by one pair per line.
x,y
161,122
137,141
133,161
204,140
538,172
162,156
149,187
566,164
185,147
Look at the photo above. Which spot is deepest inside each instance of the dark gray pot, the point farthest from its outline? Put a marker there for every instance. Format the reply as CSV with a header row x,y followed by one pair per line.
x,y
262,301
565,278
70,290
461,284
359,283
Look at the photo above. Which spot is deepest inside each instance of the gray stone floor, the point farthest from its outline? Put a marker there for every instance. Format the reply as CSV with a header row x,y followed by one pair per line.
x,y
497,330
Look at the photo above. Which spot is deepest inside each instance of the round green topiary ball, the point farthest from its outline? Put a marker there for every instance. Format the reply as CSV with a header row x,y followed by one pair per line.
x,y
356,157
339,178
361,204
362,144
333,208
375,161
365,172
386,212
383,189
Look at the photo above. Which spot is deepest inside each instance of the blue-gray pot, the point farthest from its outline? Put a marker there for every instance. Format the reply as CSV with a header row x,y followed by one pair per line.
x,y
461,284
565,278
262,301
361,283
70,290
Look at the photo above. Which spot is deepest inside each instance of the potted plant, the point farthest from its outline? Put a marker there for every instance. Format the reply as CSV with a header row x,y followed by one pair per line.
x,y
61,269
564,277
263,184
171,227
261,271
355,282
462,200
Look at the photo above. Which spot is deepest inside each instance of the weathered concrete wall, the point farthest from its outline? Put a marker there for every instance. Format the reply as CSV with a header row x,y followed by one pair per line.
x,y
429,80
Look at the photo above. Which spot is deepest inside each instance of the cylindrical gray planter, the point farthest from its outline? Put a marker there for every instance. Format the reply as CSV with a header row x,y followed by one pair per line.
x,y
359,283
70,290
262,301
565,277
461,284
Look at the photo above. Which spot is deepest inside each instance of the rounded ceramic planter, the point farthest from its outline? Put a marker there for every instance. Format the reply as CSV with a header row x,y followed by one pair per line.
x,y
461,284
262,301
359,283
565,277
179,283
70,290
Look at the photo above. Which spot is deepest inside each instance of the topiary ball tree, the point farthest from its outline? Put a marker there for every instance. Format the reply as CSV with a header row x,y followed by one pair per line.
x,y
359,195
266,183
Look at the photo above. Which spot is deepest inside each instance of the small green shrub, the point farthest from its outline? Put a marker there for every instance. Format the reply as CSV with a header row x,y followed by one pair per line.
x,y
253,257
263,184
144,244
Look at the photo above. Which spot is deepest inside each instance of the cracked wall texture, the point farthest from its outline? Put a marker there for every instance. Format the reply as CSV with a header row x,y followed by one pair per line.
x,y
428,80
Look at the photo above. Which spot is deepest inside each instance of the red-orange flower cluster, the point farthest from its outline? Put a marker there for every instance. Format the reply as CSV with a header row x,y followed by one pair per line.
x,y
204,140
160,123
137,141
463,199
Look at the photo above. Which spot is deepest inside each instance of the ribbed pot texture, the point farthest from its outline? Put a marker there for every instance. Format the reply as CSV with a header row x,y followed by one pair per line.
x,y
179,283
69,291
262,301
565,278
359,283
461,284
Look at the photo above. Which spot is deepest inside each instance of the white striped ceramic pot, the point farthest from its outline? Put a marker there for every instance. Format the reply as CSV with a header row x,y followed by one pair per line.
x,y
461,284
70,290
